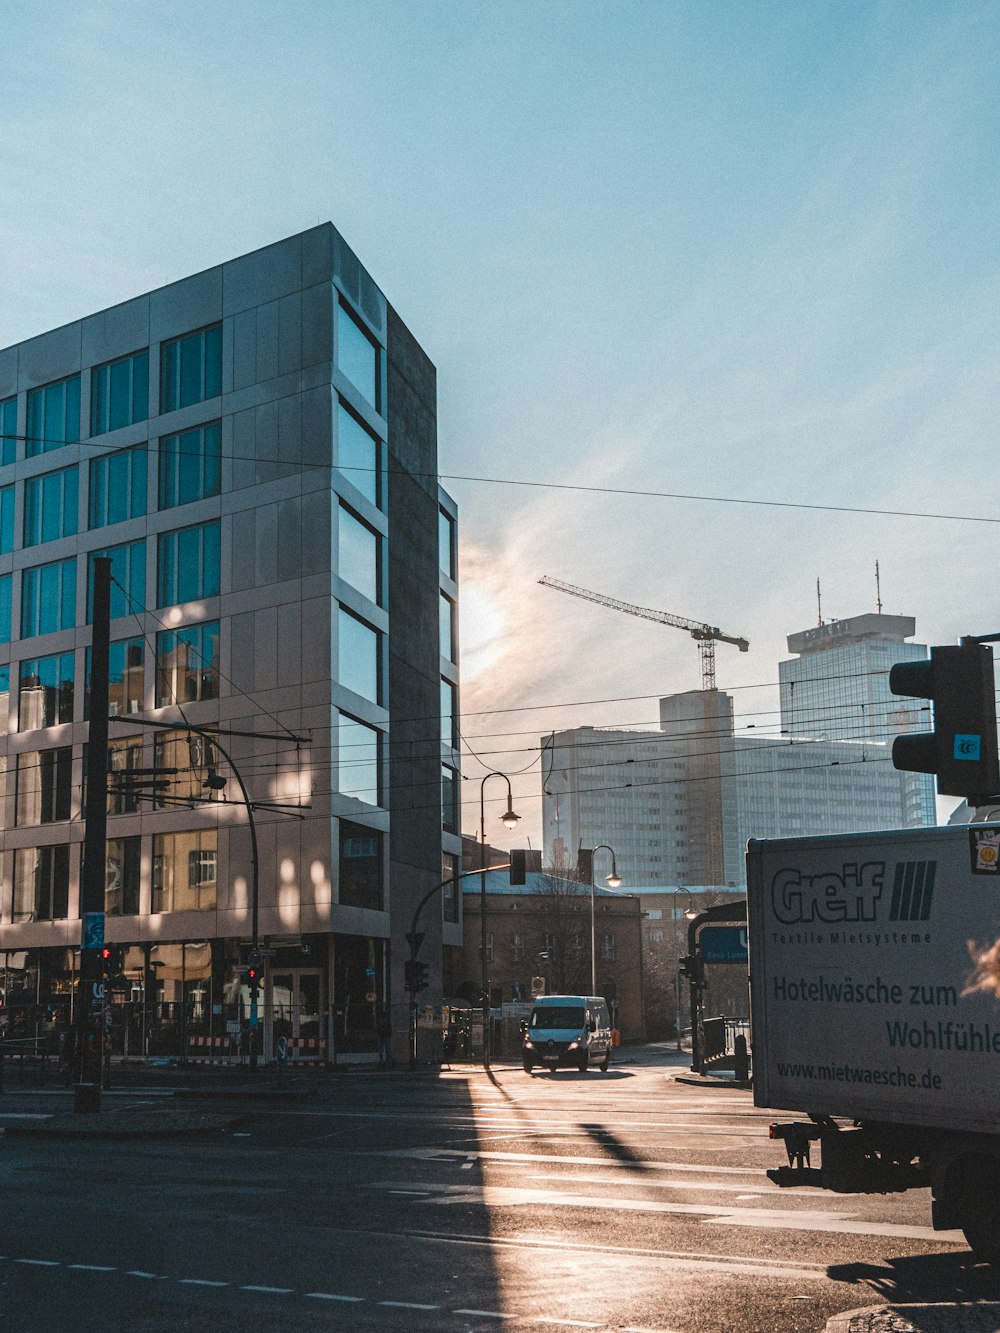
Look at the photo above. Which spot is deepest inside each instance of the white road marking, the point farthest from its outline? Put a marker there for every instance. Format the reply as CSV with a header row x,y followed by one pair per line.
x,y
93,1268
408,1305
568,1323
611,1178
331,1296
200,1282
40,1263
482,1314
271,1291
607,1163
137,1272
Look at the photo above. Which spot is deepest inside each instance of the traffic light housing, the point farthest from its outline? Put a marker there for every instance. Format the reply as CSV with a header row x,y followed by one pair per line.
x,y
521,861
415,975
961,751
251,976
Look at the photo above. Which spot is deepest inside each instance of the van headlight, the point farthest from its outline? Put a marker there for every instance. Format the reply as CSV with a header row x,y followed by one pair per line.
x,y
573,1045
529,1044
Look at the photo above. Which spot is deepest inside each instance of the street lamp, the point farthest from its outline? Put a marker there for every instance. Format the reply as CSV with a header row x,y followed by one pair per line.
x,y
613,882
509,819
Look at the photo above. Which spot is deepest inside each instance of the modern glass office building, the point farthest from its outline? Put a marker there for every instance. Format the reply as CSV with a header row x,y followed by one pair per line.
x,y
255,449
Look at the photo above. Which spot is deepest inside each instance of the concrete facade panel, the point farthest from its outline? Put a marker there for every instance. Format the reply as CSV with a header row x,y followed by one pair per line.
x,y
186,305
263,276
50,356
317,324
244,336
115,332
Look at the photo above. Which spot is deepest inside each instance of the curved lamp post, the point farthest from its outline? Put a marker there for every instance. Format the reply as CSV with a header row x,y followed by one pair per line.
x,y
508,819
613,882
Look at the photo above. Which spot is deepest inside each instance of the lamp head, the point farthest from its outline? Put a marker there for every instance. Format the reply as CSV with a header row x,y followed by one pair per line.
x,y
613,881
509,819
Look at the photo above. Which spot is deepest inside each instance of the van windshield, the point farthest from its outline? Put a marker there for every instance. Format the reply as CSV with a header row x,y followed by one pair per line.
x,y
557,1016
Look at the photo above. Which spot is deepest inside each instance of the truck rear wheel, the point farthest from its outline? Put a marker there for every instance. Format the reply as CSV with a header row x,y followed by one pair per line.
x,y
980,1211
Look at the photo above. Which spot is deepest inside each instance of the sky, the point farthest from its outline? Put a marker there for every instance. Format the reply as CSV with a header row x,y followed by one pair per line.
x,y
711,291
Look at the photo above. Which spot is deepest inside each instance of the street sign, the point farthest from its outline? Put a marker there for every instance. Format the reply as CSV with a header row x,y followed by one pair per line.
x,y
254,959
93,930
723,944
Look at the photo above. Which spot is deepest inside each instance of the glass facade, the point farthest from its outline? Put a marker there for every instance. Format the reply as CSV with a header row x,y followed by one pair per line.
x,y
187,664
122,876
360,861
359,562
449,727
359,657
126,677
184,871
358,755
124,756
447,557
119,393
358,356
128,579
53,416
48,598
50,506
45,691
41,883
451,892
188,564
8,431
449,799
44,786
359,456
447,607
117,487
190,466
6,520
191,368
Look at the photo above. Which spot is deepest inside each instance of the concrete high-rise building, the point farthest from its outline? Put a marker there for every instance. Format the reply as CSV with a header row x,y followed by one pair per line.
x,y
255,448
679,804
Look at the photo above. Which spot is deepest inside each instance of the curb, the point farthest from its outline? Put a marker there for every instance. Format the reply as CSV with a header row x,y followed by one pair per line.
x,y
946,1317
694,1081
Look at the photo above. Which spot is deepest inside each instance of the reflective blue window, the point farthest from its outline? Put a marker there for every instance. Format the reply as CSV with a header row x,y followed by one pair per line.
x,y
126,677
359,456
358,555
48,598
447,628
187,664
4,699
358,754
357,356
6,519
191,368
53,416
188,564
8,430
117,487
50,506
128,579
6,584
449,732
45,691
446,544
359,657
119,393
189,466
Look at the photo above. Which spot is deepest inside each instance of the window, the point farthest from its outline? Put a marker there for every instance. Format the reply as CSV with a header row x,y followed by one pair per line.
x,y
8,431
450,891
128,578
50,506
188,564
447,628
359,456
126,677
45,691
579,947
656,937
358,768
449,722
6,520
41,883
446,544
490,947
122,877
654,914
184,871
191,368
48,598
449,799
517,947
357,356
6,596
191,756
117,487
358,555
119,393
359,657
124,757
187,664
609,950
190,466
53,416
44,786
4,699
360,882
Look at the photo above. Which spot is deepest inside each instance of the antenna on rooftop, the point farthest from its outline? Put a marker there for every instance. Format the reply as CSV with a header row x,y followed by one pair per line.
x,y
819,605
878,591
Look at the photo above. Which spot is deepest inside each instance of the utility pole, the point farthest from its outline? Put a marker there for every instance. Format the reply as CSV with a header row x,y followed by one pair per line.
x,y
90,1010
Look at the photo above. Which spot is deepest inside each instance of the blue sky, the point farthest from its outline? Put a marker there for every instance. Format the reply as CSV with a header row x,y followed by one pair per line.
x,y
744,251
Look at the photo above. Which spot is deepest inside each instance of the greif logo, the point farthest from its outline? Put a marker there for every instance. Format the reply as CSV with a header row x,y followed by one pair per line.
x,y
849,894
912,890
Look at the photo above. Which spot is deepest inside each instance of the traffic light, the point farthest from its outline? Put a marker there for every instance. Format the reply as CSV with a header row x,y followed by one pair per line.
x,y
523,860
962,749
112,960
415,975
251,976
693,968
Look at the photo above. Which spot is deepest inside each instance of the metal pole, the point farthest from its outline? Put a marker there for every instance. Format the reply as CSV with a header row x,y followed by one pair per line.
x,y
593,932
90,1010
483,977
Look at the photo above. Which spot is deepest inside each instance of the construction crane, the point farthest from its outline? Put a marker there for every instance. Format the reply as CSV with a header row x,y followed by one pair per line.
x,y
706,635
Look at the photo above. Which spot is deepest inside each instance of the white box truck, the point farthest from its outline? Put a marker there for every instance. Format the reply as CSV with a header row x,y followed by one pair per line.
x,y
875,1011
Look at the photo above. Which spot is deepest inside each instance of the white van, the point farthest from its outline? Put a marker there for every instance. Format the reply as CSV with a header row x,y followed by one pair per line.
x,y
572,1030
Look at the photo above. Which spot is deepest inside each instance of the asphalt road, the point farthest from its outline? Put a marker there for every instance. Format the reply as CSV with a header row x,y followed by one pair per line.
x,y
459,1201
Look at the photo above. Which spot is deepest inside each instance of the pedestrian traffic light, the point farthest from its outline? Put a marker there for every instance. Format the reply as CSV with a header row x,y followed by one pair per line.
x,y
251,976
693,969
415,975
961,751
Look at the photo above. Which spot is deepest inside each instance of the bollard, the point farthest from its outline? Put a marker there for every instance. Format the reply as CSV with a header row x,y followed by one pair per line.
x,y
741,1061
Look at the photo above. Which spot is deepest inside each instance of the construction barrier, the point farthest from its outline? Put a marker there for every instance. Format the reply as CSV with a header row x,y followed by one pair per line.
x,y
302,1050
210,1050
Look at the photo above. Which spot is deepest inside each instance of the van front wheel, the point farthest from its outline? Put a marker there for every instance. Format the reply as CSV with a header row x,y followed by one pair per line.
x,y
606,1062
584,1062
528,1066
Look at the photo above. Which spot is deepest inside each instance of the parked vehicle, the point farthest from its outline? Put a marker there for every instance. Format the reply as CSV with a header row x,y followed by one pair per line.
x,y
569,1030
875,1009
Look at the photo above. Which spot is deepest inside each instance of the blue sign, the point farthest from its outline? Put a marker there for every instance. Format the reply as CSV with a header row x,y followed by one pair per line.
x,y
967,747
723,944
93,930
